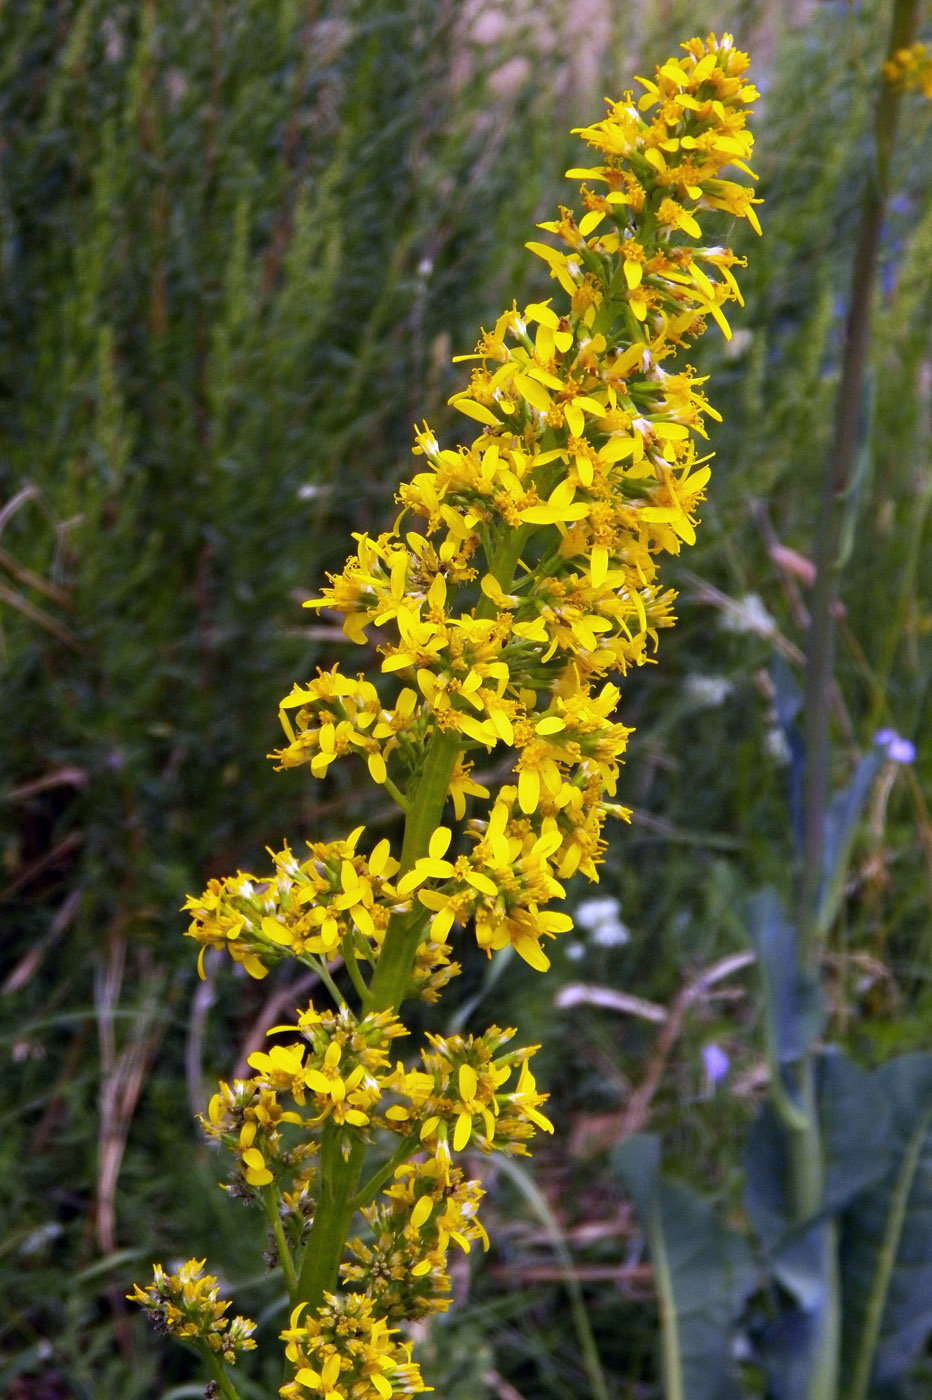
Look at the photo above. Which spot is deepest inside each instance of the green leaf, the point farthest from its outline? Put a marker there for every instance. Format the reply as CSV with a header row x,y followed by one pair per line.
x,y
703,1273
855,1119
801,1258
794,1002
855,1126
790,1346
841,821
886,1243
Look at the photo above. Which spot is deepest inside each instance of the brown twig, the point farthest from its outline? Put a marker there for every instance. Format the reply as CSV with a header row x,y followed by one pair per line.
x,y
27,966
635,1114
39,616
36,581
43,863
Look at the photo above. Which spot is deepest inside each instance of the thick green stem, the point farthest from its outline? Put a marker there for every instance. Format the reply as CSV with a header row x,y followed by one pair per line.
x,y
339,1175
392,976
502,567
806,1173
335,1209
339,1197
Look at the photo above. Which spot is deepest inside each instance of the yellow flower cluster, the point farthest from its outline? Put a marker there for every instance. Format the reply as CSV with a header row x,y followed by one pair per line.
x,y
346,1351
911,68
336,901
457,1098
520,576
403,1267
533,574
337,1077
187,1305
247,1118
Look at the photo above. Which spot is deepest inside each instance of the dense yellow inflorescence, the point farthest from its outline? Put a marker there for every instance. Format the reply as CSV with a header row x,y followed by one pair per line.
x,y
521,575
187,1303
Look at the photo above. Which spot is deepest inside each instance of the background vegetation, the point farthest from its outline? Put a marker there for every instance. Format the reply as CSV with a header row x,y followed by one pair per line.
x,y
238,245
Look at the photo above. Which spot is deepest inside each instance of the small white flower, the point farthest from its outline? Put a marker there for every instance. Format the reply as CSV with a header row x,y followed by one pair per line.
x,y
599,917
708,692
776,746
748,614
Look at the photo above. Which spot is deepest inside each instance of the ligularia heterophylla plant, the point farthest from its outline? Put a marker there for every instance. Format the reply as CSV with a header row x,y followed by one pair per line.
x,y
521,576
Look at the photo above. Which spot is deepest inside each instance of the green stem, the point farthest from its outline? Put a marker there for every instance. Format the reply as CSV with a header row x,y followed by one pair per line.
x,y
217,1370
838,478
270,1206
401,1154
319,966
503,565
339,1198
348,948
805,1146
395,794
335,1209
392,976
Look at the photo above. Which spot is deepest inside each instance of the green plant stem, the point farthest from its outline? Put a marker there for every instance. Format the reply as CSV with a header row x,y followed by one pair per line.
x,y
319,966
339,1176
392,975
395,794
348,948
424,809
806,1151
886,1261
838,478
335,1209
217,1370
503,565
806,1173
401,1154
270,1206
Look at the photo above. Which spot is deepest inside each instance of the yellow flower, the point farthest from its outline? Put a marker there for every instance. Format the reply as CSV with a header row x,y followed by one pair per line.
x,y
403,1265
911,68
186,1303
346,1351
459,1098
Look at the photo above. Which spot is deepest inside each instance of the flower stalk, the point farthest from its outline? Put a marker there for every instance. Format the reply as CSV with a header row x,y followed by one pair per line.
x,y
805,1145
839,473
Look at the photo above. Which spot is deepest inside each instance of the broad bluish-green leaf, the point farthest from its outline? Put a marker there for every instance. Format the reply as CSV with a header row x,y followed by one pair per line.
x,y
794,1002
800,1258
800,1338
886,1246
703,1273
855,1116
841,821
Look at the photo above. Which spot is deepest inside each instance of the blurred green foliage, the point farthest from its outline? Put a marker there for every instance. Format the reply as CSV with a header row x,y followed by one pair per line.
x,y
239,242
